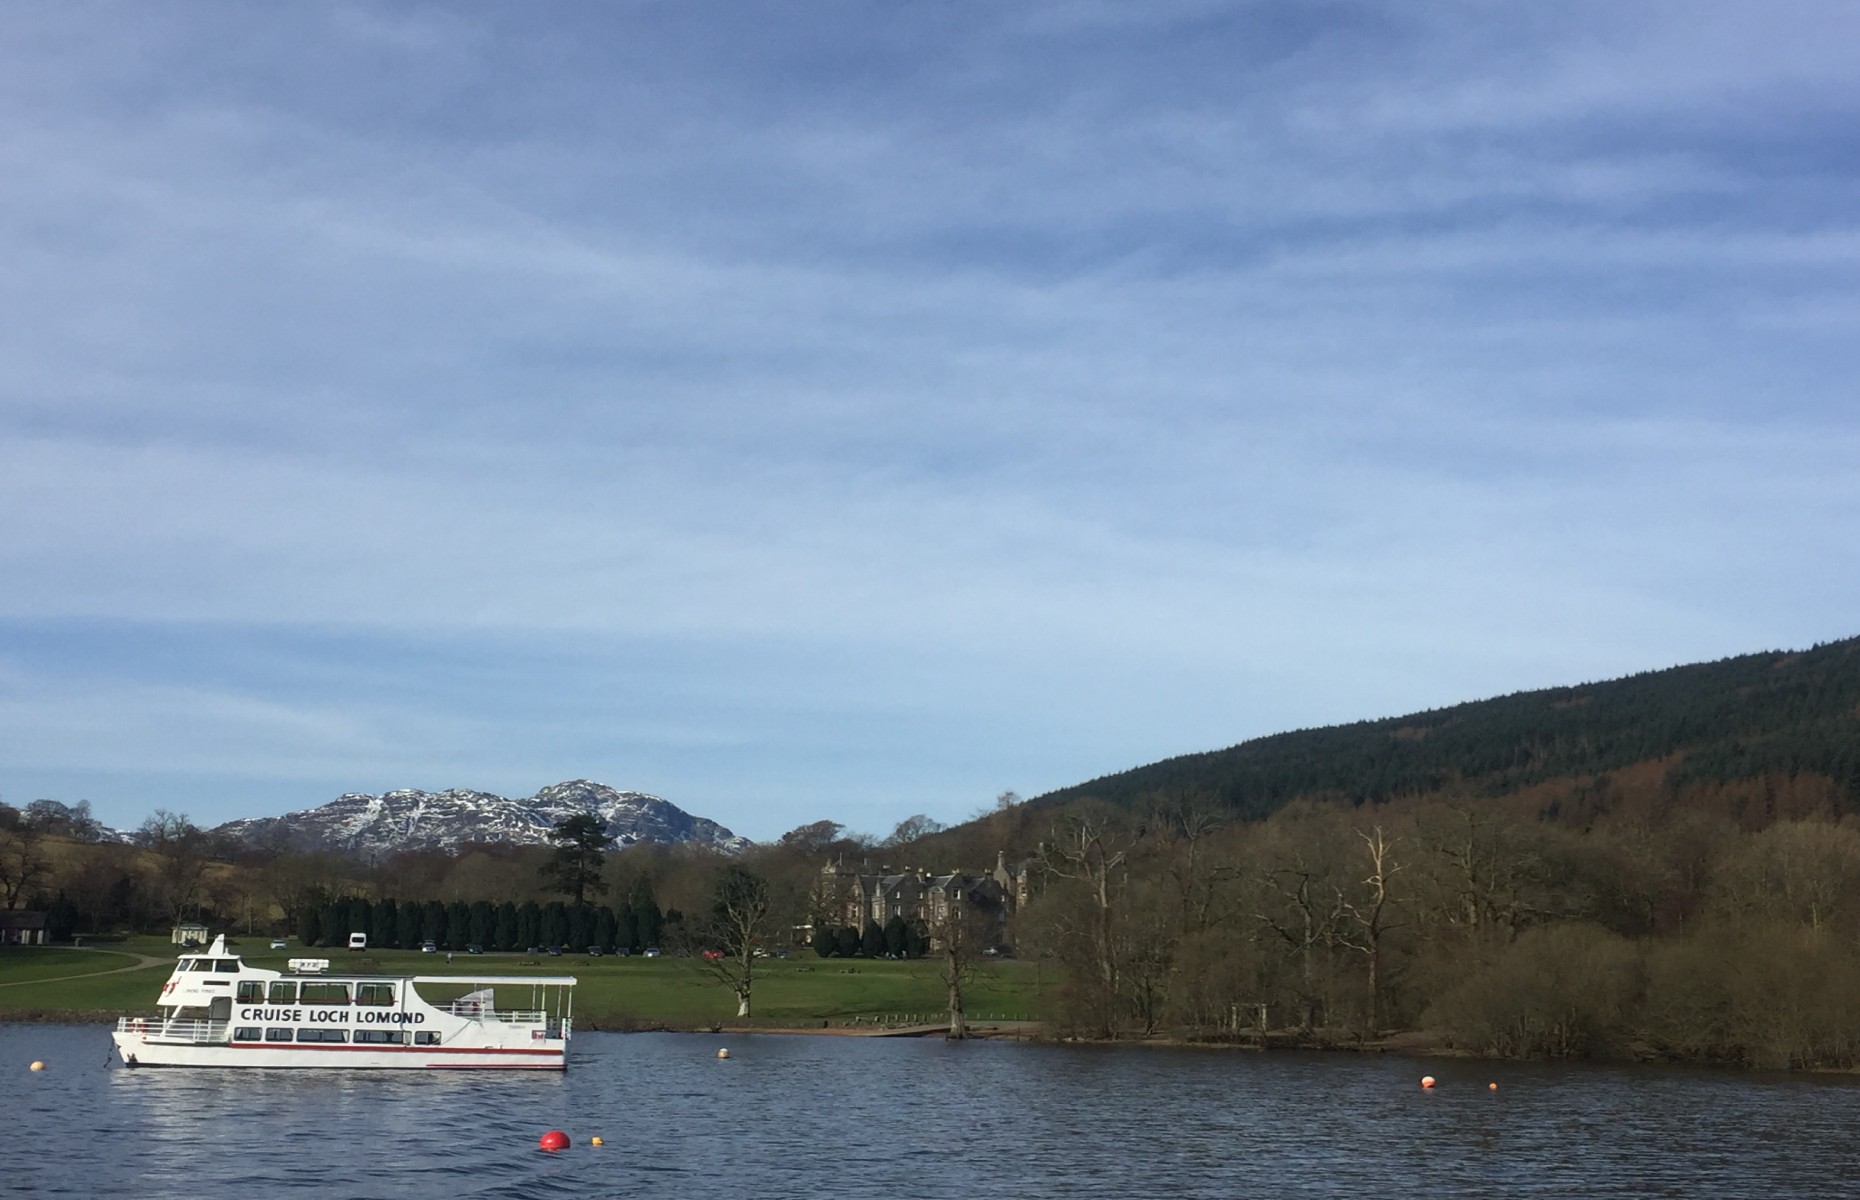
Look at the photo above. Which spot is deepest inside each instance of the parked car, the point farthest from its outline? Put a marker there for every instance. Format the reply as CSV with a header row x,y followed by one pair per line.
x,y
713,954
556,950
624,951
474,948
534,950
595,952
280,944
652,952
429,947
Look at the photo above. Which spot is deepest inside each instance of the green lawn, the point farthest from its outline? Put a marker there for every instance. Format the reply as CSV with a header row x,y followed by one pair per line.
x,y
20,964
32,978
613,992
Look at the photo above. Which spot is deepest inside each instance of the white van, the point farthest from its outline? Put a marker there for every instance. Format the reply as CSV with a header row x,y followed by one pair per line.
x,y
358,941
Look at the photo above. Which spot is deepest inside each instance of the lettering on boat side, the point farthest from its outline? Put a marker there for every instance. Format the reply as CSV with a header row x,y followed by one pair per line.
x,y
331,1016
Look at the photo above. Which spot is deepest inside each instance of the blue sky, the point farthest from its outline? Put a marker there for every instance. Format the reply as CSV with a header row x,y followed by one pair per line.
x,y
855,410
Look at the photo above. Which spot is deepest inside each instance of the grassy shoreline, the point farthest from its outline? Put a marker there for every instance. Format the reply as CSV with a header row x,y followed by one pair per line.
x,y
808,994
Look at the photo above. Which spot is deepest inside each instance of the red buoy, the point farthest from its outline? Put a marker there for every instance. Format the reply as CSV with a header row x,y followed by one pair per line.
x,y
555,1139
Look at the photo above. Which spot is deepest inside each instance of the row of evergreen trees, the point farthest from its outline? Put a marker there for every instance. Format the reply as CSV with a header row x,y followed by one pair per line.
x,y
635,925
897,938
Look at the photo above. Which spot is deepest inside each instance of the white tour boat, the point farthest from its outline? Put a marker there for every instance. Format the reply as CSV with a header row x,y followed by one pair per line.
x,y
215,1011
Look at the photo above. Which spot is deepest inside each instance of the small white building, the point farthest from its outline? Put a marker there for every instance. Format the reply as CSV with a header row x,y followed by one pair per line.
x,y
22,928
184,934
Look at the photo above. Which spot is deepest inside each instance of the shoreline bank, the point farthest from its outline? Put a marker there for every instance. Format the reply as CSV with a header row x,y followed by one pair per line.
x,y
1418,1044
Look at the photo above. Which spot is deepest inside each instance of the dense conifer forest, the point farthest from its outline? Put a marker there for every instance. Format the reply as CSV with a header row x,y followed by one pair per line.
x,y
1741,720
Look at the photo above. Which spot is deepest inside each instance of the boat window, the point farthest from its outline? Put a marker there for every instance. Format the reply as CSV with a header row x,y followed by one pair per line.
x,y
251,991
426,1037
322,1035
247,1033
326,993
374,993
196,964
381,1037
283,991
274,1034
226,966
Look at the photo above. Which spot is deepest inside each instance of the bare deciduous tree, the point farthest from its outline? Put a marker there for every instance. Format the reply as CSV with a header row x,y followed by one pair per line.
x,y
1180,828
1802,871
962,937
1090,850
22,856
730,937
181,855
1369,914
1302,910
911,828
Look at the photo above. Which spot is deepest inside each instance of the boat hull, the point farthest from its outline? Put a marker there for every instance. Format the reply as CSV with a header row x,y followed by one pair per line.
x,y
139,1051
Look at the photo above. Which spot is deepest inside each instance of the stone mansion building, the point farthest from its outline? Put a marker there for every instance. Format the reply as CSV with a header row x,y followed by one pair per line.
x,y
852,896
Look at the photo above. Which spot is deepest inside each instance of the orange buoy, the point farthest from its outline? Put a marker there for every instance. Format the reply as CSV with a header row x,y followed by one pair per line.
x,y
37,1065
596,1141
1427,1081
555,1139
1491,1087
723,1054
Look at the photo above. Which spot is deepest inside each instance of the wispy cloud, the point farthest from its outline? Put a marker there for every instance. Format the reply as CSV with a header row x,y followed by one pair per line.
x,y
894,406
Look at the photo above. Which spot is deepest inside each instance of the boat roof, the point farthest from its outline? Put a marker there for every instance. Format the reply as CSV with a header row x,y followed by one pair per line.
x,y
493,980
475,980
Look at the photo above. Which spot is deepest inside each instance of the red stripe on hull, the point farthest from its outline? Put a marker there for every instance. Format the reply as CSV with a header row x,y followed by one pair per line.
x,y
338,1048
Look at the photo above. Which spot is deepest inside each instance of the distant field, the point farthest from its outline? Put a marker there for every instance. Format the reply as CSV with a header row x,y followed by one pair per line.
x,y
613,993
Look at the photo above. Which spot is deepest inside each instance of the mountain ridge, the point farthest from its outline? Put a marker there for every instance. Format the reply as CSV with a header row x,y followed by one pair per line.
x,y
414,819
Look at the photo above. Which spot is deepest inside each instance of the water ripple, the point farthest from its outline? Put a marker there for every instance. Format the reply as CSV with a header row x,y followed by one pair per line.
x,y
857,1117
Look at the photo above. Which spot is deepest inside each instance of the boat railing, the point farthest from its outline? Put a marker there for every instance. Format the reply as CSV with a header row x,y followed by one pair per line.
x,y
198,1032
515,1016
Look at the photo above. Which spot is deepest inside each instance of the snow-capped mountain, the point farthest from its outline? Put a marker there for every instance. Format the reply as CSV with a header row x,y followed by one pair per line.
x,y
410,819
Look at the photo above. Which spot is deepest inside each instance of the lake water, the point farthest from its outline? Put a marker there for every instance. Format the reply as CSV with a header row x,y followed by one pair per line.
x,y
828,1116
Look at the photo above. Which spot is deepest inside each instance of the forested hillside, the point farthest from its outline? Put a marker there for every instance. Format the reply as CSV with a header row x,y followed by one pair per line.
x,y
1754,720
1661,866
1665,866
